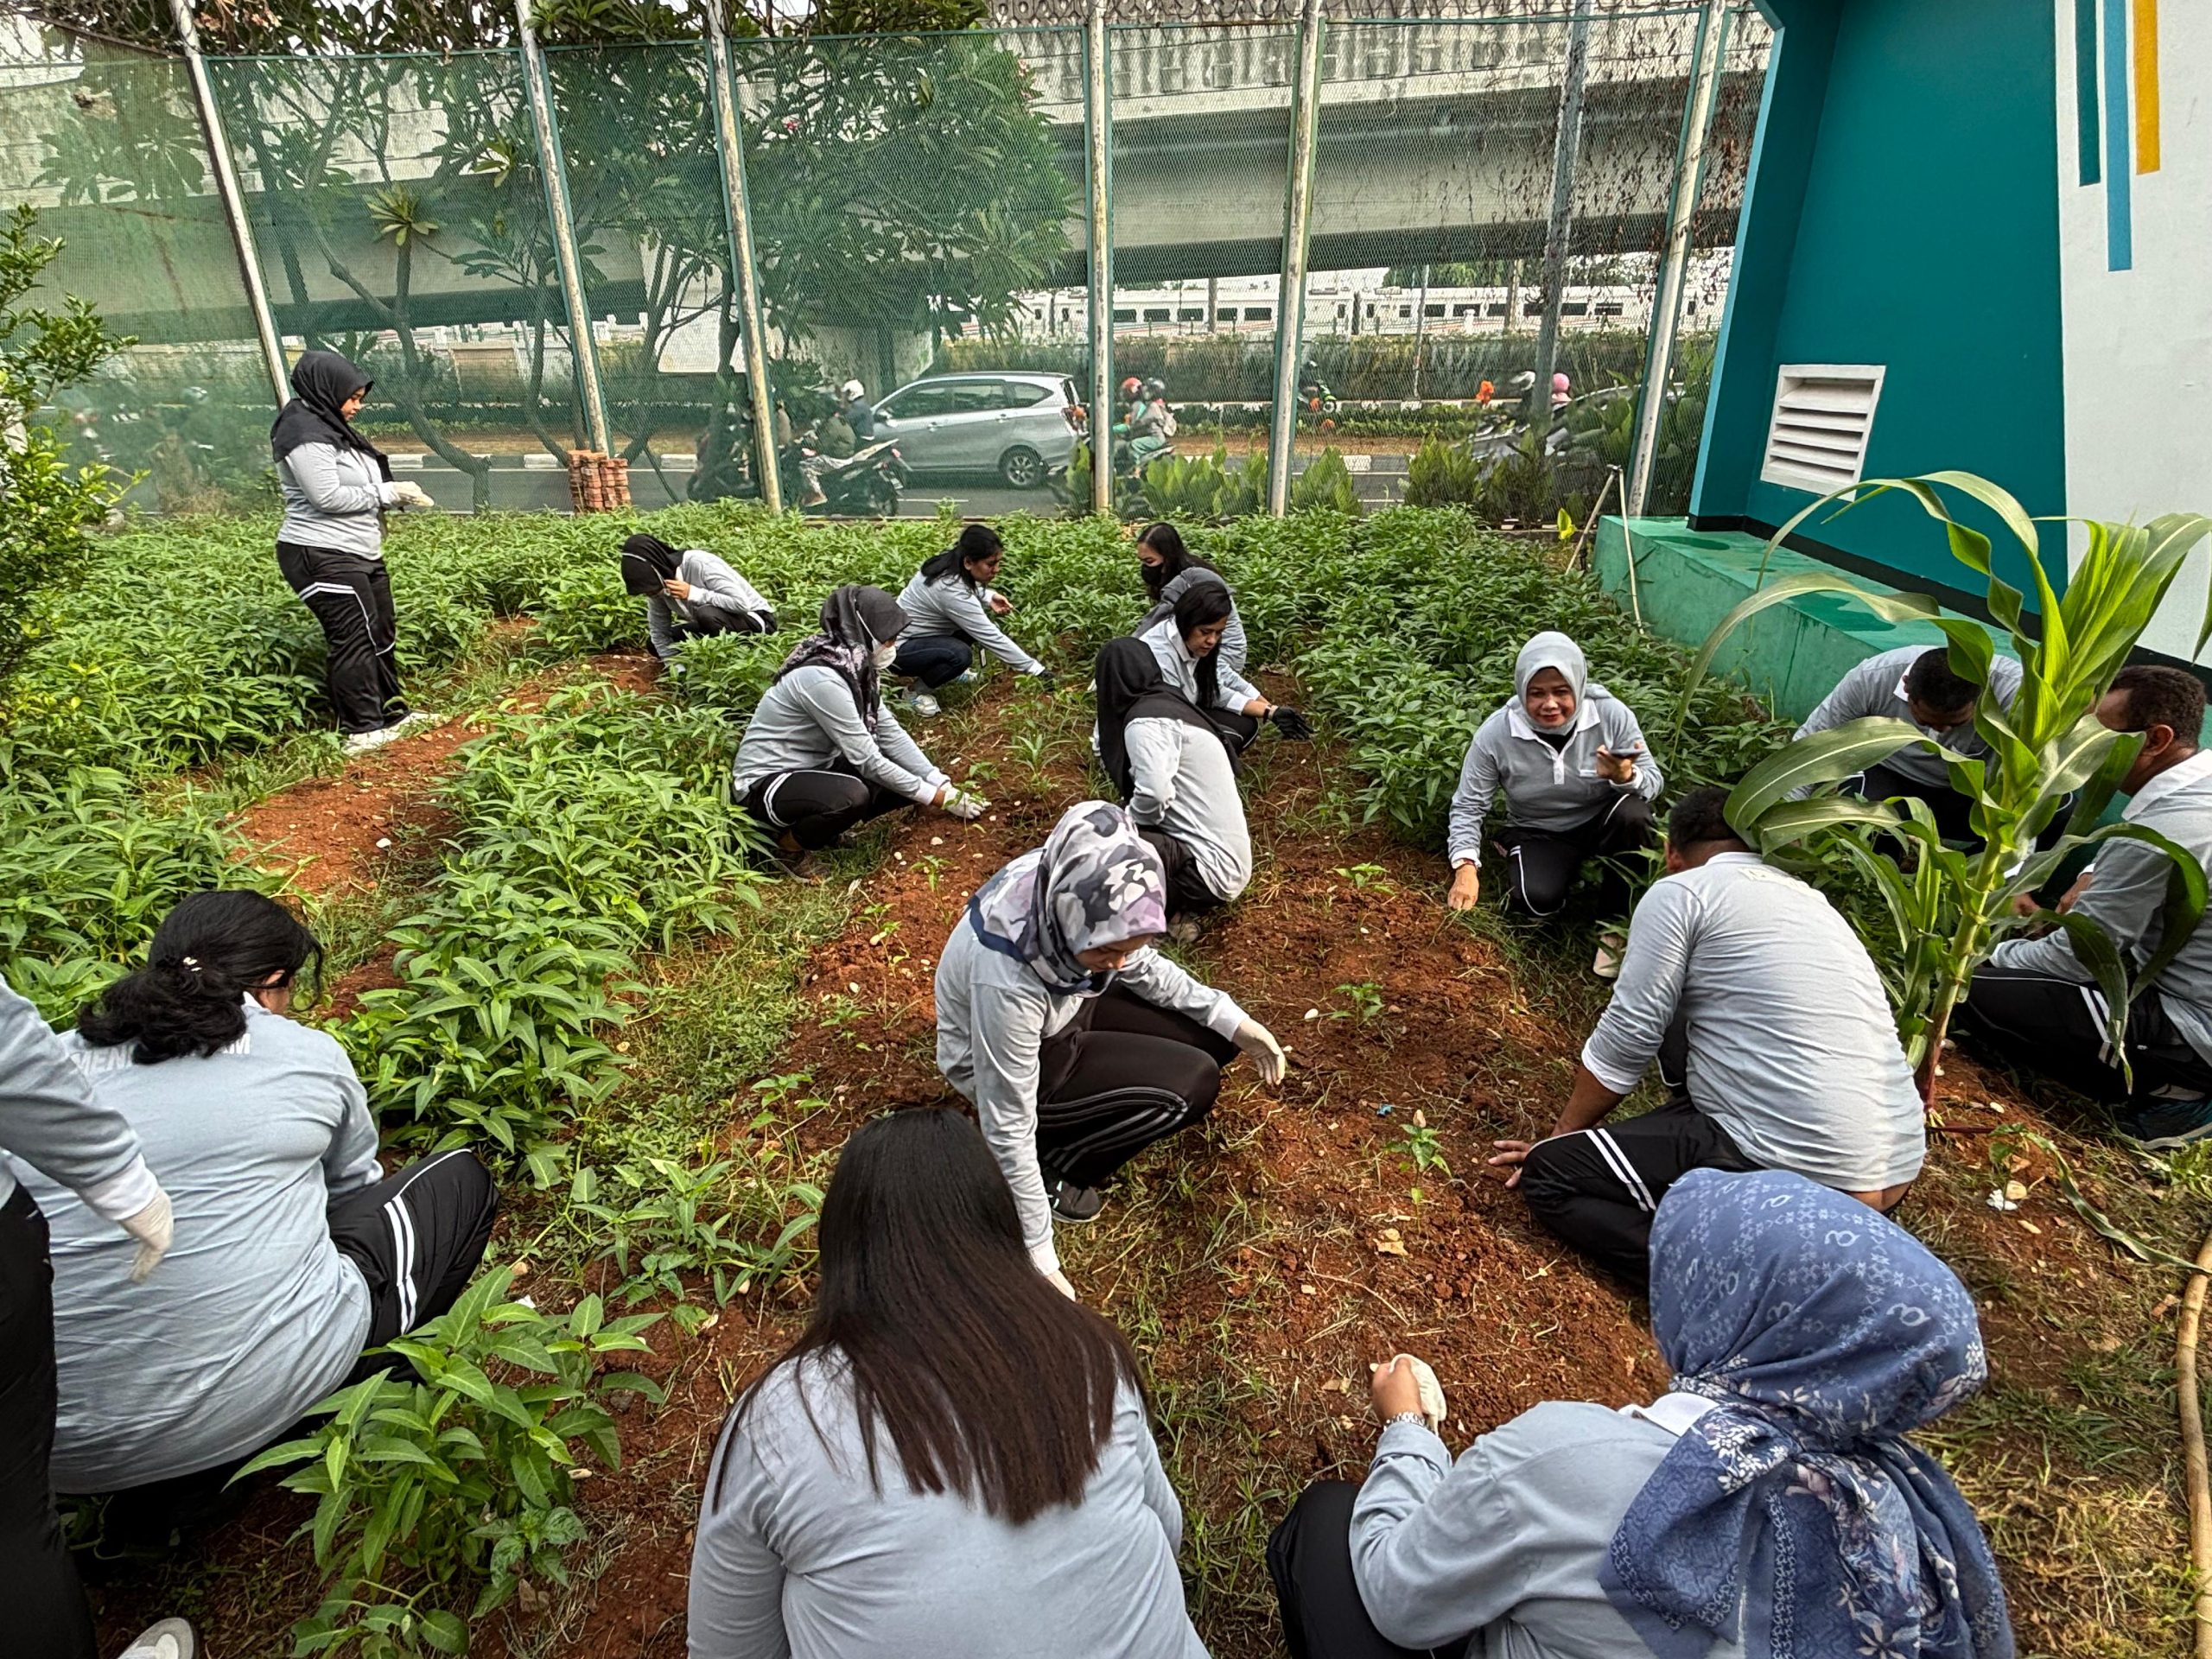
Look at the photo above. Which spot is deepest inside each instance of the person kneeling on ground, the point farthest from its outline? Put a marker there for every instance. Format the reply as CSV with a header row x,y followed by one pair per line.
x,y
1770,1028
1768,1505
1187,647
691,594
1177,776
2041,1008
821,752
1578,779
1078,1044
1169,571
949,605
293,1254
1919,686
950,1451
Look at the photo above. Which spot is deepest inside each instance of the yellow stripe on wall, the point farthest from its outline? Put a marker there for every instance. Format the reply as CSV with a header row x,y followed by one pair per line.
x,y
2146,85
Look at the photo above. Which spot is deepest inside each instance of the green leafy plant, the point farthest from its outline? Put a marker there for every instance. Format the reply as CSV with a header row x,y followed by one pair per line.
x,y
448,1480
1442,474
1365,1001
2047,747
1325,485
1418,1145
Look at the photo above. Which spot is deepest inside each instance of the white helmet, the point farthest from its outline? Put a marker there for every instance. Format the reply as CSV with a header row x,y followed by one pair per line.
x,y
851,390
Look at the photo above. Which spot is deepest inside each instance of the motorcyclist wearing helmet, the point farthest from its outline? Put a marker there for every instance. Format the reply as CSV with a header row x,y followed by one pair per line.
x,y
1146,421
859,413
852,416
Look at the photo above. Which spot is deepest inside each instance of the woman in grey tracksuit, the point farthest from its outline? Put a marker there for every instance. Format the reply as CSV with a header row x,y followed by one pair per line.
x,y
1170,571
337,486
689,592
950,610
1578,779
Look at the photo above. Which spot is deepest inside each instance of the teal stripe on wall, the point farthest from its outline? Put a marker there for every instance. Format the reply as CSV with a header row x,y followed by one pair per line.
x,y
2120,206
2089,141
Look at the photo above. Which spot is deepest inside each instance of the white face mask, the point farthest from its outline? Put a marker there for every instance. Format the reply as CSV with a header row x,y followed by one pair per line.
x,y
883,654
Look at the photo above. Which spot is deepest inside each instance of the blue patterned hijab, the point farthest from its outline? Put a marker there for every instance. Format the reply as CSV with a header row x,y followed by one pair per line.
x,y
1823,1333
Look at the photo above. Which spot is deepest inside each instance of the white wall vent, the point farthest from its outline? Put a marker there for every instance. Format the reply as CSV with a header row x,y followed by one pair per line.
x,y
1823,415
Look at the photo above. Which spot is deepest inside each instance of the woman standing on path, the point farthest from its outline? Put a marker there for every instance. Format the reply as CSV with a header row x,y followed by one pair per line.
x,y
952,1459
1079,1045
950,606
336,485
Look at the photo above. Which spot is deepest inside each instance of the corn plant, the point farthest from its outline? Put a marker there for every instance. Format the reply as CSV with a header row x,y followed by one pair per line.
x,y
1955,905
455,1481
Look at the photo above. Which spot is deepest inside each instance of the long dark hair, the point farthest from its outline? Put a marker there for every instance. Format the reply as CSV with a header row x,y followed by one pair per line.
x,y
976,542
207,955
991,1383
1207,602
1174,558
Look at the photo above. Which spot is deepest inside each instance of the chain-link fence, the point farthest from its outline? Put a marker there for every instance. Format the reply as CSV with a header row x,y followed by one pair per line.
x,y
1491,203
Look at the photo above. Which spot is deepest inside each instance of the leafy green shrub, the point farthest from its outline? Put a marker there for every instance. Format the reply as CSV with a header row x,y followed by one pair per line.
x,y
1442,474
1206,487
1325,485
731,671
456,1482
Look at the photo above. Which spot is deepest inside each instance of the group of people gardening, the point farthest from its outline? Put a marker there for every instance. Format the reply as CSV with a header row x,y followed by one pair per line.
x,y
957,1456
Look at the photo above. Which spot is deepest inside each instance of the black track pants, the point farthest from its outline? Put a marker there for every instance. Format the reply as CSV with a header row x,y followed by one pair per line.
x,y
1187,892
1952,811
418,1236
1309,1557
1123,1074
350,596
815,806
1540,865
45,1607
1597,1188
937,660
2056,1026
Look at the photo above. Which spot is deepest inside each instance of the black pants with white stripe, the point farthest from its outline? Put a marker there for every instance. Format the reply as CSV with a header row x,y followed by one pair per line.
x,y
46,1609
817,805
418,1235
1123,1074
350,596
2056,1026
1540,865
1597,1188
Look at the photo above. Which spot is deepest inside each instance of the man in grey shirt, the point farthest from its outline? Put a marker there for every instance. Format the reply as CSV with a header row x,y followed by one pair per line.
x,y
1917,686
2036,1001
1790,1054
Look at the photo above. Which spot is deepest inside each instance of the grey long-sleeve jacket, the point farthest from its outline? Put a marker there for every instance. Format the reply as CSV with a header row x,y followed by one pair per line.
x,y
808,719
2124,896
334,498
1180,669
1792,1047
949,607
50,1122
1877,687
719,595
799,1556
993,1016
1547,788
1184,784
1233,645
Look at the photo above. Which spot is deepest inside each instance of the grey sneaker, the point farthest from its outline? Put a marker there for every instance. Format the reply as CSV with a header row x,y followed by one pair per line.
x,y
966,676
923,703
362,742
2164,1125
170,1639
1073,1203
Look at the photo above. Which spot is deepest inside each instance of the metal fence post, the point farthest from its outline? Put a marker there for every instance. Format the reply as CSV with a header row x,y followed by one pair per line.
x,y
583,350
1559,229
1705,62
1297,236
729,140
1098,137
232,194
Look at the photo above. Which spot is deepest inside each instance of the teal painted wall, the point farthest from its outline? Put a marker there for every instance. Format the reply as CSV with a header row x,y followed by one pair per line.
x,y
1903,211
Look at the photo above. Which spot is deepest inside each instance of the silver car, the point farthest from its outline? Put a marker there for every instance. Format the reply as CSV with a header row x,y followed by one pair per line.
x,y
1023,426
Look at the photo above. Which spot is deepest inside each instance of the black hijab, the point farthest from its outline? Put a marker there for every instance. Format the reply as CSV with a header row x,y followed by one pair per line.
x,y
321,382
855,622
1131,687
647,562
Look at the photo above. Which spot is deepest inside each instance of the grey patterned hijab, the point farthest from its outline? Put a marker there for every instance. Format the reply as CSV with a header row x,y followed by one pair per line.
x,y
1093,882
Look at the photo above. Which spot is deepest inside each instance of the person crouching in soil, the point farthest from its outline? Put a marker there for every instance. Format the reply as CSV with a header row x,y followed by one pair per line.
x,y
1077,1043
689,593
1769,1506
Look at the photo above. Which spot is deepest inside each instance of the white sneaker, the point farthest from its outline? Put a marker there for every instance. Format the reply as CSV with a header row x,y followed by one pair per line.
x,y
416,717
170,1639
362,742
966,676
924,704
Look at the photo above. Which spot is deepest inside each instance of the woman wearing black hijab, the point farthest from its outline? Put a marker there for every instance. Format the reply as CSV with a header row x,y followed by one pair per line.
x,y
336,485
690,593
1174,770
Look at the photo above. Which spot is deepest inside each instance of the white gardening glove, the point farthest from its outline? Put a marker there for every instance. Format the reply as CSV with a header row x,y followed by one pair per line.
x,y
1259,1042
1432,1391
1059,1281
152,1228
963,804
412,494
